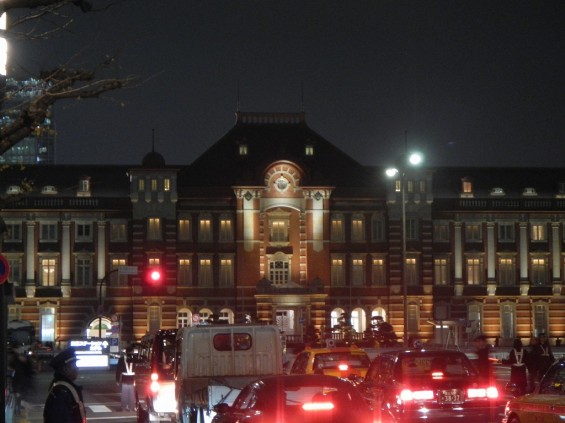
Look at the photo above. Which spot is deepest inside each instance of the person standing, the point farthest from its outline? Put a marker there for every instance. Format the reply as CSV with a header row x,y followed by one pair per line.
x,y
517,358
125,376
533,363
483,357
64,402
545,355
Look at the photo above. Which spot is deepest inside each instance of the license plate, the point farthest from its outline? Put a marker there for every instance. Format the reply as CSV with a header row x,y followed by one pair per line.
x,y
449,396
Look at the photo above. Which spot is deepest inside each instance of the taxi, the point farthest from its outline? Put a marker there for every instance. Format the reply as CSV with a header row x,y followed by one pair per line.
x,y
546,404
344,362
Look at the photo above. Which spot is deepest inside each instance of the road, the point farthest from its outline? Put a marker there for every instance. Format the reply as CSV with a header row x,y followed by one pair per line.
x,y
101,396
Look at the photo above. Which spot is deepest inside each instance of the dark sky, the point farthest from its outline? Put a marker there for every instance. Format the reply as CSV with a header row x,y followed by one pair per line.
x,y
470,82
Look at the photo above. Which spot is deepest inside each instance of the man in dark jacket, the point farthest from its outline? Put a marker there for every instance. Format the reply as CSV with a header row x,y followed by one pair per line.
x,y
64,402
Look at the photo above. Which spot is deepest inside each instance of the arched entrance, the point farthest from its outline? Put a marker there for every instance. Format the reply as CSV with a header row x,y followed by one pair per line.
x,y
99,327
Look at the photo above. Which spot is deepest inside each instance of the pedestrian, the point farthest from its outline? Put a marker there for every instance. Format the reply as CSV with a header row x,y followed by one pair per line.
x,y
64,402
517,358
533,363
483,358
545,354
22,382
125,376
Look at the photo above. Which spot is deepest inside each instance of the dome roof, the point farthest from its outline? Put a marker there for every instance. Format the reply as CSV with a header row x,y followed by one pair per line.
x,y
153,160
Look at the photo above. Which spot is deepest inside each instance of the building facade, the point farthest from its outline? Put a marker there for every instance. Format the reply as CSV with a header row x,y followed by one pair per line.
x,y
274,224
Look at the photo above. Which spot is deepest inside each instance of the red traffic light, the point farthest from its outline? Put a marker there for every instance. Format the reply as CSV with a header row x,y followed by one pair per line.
x,y
154,275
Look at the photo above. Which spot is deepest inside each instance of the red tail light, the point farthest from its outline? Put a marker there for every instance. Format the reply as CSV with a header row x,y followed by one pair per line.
x,y
318,406
154,387
408,395
491,392
343,367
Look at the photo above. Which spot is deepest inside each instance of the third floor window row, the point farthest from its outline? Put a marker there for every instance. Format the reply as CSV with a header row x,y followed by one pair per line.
x,y
154,184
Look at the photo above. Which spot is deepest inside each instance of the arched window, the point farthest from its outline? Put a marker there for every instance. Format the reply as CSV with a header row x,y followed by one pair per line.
x,y
184,318
379,311
98,327
227,315
279,269
359,320
205,314
335,317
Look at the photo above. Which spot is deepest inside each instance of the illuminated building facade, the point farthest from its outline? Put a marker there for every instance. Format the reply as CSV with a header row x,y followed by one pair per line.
x,y
275,223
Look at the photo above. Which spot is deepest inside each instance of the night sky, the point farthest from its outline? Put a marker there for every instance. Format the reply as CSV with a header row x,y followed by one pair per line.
x,y
470,83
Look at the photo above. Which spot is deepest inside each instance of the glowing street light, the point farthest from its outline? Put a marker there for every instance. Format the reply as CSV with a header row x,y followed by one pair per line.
x,y
406,161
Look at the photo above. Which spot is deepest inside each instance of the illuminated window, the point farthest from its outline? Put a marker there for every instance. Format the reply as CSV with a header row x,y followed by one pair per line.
x,y
116,278
411,271
441,271
309,150
226,231
243,149
409,185
538,232
184,230
508,320
154,228
337,272
467,186
226,272
279,270
167,184
184,272
153,261
279,230
205,229
357,272
474,271
398,185
378,272
539,271
184,318
141,185
47,324
357,228
153,184
337,230
205,272
506,271
48,271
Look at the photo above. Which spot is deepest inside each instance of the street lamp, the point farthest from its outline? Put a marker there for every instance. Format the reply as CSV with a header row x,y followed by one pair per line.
x,y
406,161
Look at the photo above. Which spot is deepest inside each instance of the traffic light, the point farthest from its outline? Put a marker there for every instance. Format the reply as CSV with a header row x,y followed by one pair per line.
x,y
154,276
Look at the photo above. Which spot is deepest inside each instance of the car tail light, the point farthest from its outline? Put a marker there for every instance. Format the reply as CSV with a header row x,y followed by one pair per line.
x,y
408,395
154,383
318,406
437,375
343,367
490,392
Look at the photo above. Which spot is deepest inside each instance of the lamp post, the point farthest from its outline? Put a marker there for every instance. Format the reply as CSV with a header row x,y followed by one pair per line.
x,y
100,301
405,161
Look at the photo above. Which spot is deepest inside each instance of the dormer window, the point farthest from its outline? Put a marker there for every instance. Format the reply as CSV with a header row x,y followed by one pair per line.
x,y
84,187
309,150
497,191
49,190
243,149
466,187
529,191
14,190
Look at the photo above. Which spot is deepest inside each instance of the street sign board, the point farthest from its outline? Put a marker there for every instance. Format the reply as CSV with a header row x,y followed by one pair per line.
x,y
4,269
127,270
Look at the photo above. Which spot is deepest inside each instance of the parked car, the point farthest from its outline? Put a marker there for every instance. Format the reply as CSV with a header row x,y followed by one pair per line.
x,y
432,386
345,362
299,398
545,404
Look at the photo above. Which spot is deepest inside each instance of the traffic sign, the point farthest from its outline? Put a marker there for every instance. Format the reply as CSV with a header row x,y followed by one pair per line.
x,y
127,270
4,269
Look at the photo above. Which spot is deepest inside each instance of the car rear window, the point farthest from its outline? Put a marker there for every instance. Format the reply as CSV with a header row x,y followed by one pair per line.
x,y
332,360
425,365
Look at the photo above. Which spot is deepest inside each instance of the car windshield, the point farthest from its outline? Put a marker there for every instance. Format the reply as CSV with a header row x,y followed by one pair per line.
x,y
332,360
429,364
